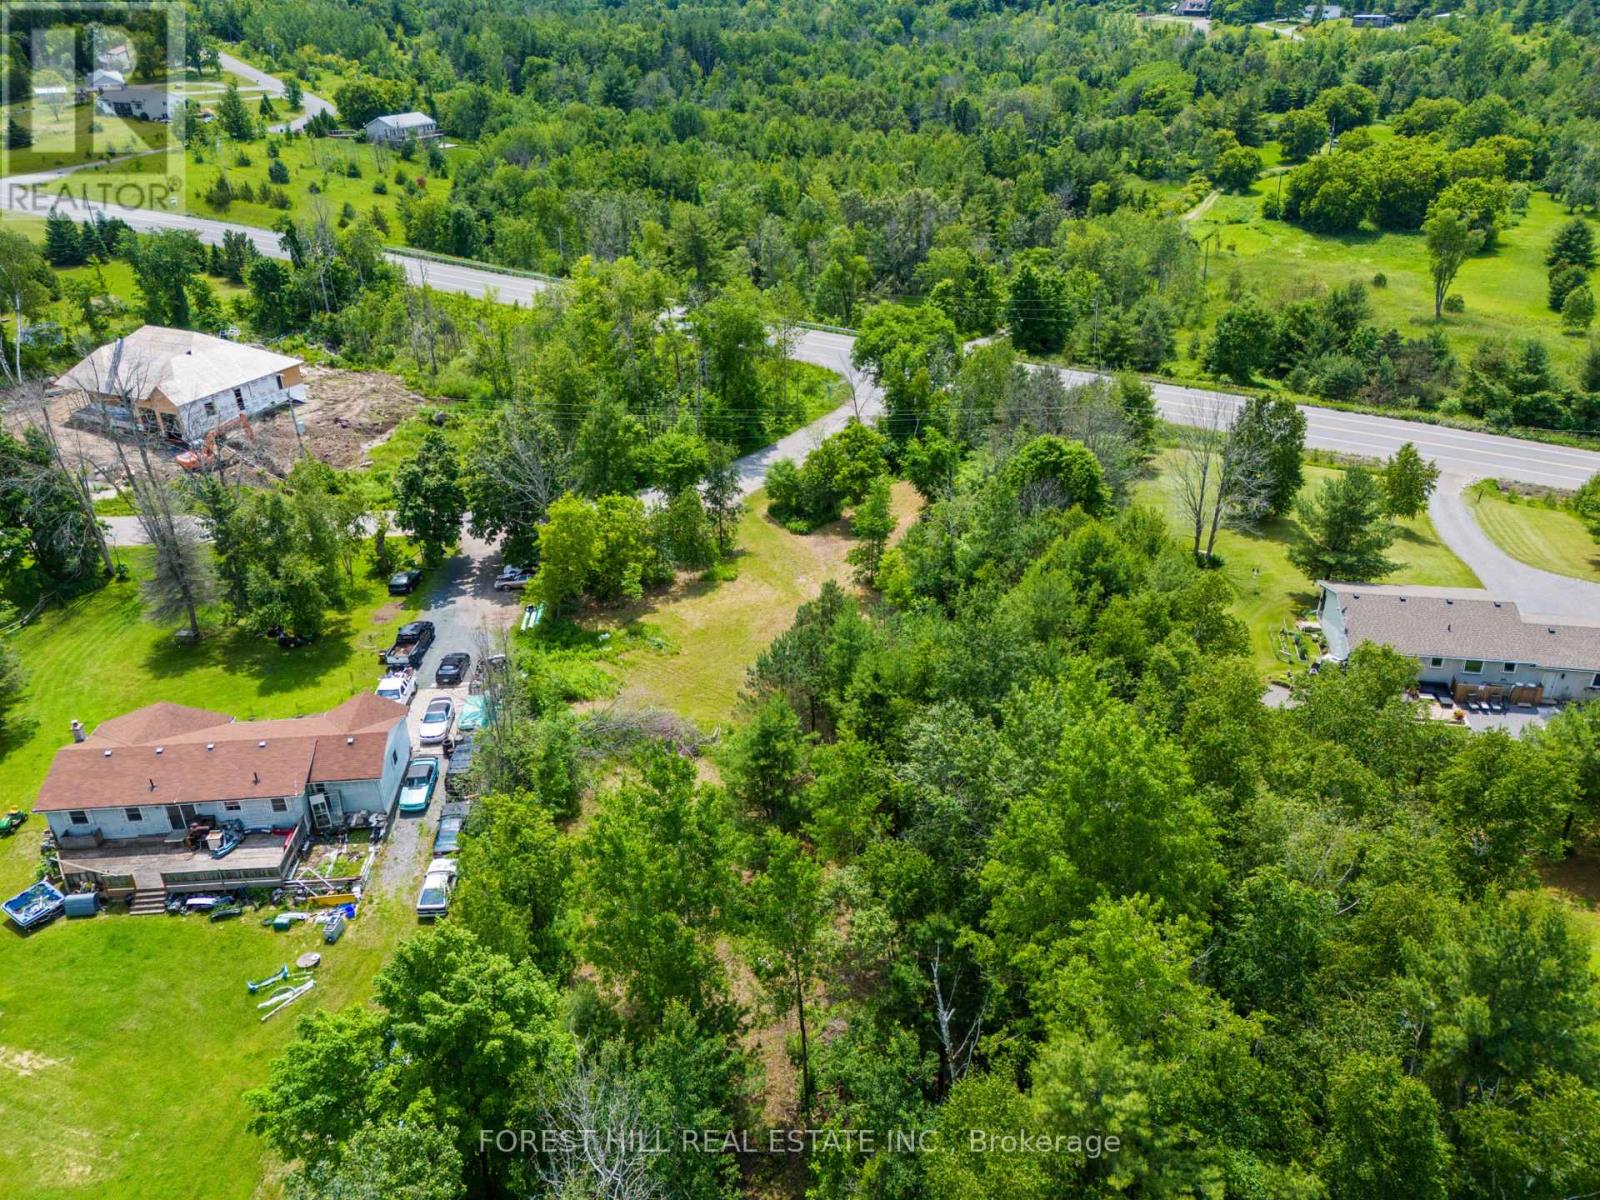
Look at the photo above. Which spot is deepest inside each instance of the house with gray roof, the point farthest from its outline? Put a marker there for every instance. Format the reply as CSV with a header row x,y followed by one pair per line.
x,y
180,383
399,127
1466,640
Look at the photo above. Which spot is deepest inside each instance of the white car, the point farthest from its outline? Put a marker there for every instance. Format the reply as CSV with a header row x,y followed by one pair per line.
x,y
436,721
437,884
399,685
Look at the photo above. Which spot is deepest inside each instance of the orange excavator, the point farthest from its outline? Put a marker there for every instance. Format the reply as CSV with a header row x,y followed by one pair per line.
x,y
206,457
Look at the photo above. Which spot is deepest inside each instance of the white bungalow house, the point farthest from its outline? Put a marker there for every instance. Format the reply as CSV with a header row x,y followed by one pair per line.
x,y
394,128
149,102
180,383
123,801
1466,641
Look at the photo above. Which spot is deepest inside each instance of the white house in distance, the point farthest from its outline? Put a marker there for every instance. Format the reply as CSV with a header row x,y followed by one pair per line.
x,y
399,127
122,801
181,383
1466,641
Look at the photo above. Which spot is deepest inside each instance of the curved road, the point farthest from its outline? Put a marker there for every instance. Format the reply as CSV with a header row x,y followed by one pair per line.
x,y
1462,455
273,86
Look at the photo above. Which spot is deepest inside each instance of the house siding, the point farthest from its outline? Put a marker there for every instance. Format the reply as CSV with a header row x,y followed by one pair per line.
x,y
376,795
380,130
260,396
113,823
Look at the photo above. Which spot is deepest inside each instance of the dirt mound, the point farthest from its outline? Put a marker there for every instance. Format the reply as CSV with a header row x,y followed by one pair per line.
x,y
344,415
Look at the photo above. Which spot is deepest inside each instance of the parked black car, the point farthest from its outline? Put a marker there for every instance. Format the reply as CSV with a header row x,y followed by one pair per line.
x,y
448,839
410,645
452,670
403,583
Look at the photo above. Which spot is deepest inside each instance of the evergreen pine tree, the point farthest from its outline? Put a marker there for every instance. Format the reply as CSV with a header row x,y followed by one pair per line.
x,y
62,245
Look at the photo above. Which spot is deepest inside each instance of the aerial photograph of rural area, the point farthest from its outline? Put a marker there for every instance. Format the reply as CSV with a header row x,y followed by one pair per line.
x,y
799,600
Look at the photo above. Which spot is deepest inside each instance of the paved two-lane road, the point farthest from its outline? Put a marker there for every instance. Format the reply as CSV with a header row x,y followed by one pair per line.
x,y
1461,454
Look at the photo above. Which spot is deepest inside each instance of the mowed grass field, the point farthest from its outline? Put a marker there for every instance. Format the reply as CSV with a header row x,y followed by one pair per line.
x,y
125,1042
1504,290
1270,589
320,183
1536,532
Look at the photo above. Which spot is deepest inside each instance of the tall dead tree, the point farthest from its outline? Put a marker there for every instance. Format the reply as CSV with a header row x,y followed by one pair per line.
x,y
1218,474
183,580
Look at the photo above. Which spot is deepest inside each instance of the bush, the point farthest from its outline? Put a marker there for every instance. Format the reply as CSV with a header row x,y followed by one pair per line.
x,y
278,171
1380,280
1455,302
380,188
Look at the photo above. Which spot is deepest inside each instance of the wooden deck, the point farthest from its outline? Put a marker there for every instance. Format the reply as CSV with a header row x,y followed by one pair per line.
x,y
151,865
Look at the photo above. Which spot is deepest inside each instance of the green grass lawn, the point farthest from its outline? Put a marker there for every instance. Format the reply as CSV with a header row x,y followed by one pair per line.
x,y
1504,290
319,163
76,134
1536,531
1272,591
125,1042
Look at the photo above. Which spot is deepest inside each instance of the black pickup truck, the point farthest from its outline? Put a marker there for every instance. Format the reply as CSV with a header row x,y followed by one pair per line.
x,y
410,645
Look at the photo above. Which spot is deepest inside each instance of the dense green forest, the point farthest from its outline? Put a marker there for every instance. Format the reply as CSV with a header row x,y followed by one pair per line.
x,y
1018,851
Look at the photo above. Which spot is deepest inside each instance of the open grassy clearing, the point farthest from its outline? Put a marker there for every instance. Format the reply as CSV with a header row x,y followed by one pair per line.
x,y
1536,531
66,135
1505,290
687,649
1270,589
320,183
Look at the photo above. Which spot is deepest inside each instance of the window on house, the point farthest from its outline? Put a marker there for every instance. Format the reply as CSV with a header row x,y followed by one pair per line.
x,y
78,817
279,804
238,400
1511,667
1436,662
1474,666
211,408
279,380
230,806
133,814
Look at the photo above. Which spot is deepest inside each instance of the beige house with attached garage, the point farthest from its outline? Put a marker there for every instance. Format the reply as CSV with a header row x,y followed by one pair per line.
x,y
129,805
1466,641
180,383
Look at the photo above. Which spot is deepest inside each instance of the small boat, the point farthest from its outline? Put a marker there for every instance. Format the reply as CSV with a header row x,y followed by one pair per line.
x,y
201,903
226,911
35,905
230,842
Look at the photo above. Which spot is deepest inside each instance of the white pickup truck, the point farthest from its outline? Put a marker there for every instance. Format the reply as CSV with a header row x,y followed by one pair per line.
x,y
398,685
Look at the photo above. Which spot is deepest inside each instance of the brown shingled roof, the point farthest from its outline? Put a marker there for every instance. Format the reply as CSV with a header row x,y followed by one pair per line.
x,y
173,754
